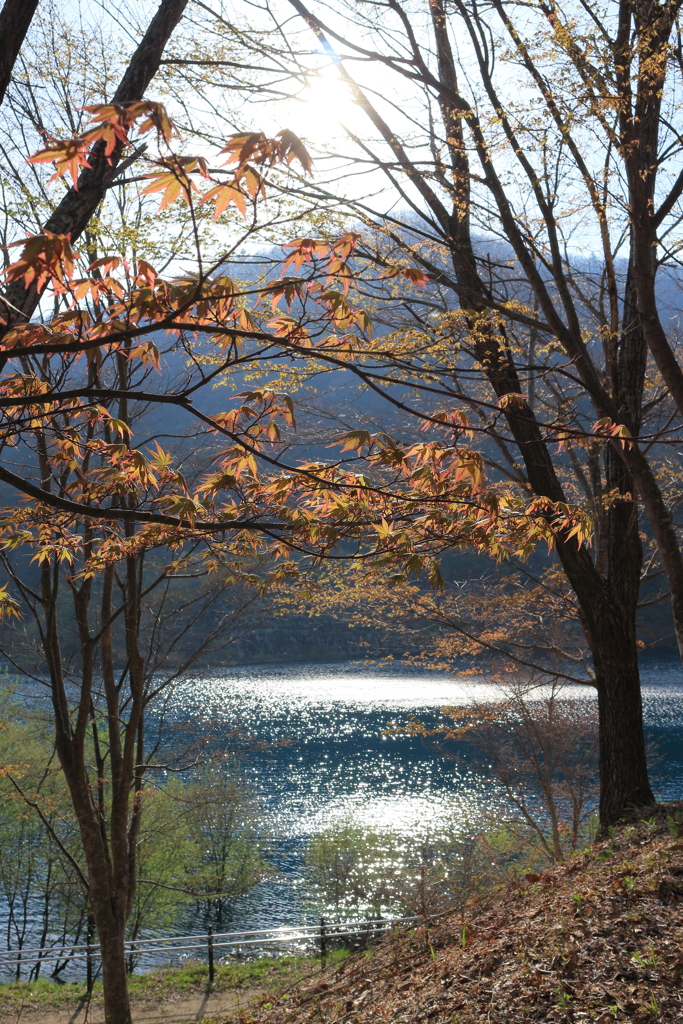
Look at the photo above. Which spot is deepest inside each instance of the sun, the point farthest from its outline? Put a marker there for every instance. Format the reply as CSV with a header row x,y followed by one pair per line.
x,y
328,108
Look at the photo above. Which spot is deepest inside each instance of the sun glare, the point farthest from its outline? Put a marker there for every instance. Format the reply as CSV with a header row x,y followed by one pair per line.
x,y
327,106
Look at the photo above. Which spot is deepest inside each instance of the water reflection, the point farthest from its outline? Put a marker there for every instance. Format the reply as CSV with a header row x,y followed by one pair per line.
x,y
339,763
339,766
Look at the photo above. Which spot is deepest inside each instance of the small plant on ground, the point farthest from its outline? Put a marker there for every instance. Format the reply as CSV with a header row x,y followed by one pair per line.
x,y
673,822
563,998
651,960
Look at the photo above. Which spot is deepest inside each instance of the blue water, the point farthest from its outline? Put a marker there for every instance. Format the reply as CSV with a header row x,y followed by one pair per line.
x,y
326,758
338,764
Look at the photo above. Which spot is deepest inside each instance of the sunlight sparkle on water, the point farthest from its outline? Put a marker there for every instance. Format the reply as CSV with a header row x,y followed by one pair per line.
x,y
339,768
339,764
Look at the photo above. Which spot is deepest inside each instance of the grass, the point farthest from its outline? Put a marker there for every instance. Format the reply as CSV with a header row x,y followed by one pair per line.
x,y
265,973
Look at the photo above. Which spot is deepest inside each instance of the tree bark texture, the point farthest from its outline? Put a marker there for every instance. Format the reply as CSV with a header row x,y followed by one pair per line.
x,y
15,19
624,783
114,977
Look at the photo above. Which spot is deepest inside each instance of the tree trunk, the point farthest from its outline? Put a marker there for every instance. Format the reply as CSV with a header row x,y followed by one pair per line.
x,y
15,19
607,600
624,783
664,532
116,1001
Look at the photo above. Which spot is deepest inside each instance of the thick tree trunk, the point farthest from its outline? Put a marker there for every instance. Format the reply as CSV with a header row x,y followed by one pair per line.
x,y
116,1000
607,601
608,619
624,782
15,18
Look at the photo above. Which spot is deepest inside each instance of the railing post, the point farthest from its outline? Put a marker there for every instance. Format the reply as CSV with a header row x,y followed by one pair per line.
x,y
210,945
88,967
323,943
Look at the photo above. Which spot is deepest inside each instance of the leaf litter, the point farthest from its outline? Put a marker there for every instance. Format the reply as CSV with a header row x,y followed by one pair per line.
x,y
599,938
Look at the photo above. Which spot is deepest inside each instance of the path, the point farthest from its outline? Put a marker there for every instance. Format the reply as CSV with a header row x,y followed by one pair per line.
x,y
179,1008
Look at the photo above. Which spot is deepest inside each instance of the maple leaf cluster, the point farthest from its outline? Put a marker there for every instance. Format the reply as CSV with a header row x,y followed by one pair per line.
x,y
408,504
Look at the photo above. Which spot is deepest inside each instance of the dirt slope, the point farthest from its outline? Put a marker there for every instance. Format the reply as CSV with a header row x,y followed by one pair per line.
x,y
600,939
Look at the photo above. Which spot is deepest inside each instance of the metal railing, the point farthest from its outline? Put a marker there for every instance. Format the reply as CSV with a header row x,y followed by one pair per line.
x,y
320,934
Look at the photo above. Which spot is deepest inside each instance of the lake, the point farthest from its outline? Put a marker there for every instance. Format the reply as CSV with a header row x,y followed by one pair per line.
x,y
325,758
339,766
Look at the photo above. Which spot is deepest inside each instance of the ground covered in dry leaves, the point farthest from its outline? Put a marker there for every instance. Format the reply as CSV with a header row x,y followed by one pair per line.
x,y
599,939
